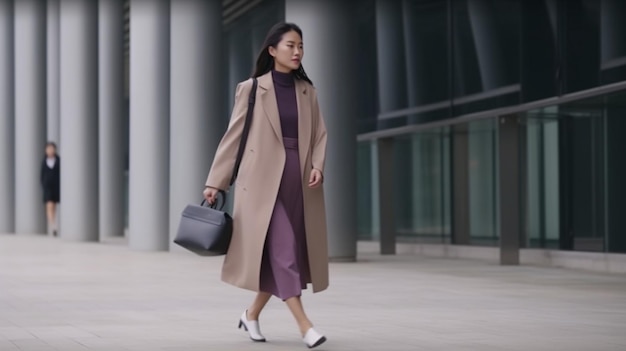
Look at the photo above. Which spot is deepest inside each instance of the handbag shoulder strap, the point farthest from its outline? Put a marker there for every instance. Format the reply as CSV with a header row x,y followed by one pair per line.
x,y
246,131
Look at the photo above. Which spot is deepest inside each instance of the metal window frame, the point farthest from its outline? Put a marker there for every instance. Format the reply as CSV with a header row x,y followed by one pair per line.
x,y
566,98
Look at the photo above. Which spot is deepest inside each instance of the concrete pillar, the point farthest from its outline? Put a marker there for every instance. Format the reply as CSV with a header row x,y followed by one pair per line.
x,y
7,120
149,128
111,117
53,70
79,119
196,124
30,113
328,29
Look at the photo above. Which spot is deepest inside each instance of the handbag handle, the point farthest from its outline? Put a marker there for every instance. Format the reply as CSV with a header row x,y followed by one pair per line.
x,y
215,204
245,132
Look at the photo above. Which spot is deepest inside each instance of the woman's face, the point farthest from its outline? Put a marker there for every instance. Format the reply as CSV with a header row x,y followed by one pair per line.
x,y
288,52
51,151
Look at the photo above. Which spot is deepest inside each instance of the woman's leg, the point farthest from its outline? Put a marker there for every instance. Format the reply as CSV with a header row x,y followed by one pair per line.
x,y
295,306
259,302
54,218
51,214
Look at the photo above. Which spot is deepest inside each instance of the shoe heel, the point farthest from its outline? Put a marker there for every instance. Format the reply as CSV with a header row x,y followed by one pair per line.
x,y
241,324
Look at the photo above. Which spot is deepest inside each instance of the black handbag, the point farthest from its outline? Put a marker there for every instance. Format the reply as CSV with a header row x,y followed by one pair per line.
x,y
207,231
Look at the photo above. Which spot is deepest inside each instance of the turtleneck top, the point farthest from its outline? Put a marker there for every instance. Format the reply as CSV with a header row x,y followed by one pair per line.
x,y
285,88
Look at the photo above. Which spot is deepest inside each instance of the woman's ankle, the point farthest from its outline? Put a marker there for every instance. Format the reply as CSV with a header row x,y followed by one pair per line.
x,y
252,315
304,327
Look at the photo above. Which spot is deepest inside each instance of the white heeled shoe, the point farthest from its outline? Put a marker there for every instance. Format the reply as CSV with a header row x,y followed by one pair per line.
x,y
313,339
252,327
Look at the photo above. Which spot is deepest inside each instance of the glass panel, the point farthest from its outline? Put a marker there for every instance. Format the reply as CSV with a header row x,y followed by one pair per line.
x,y
574,175
429,203
542,179
482,182
582,44
367,185
423,187
486,45
613,41
615,168
426,49
403,177
582,157
366,109
539,49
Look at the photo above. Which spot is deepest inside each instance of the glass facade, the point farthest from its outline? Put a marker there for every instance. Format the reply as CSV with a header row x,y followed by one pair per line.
x,y
439,62
574,196
431,65
445,58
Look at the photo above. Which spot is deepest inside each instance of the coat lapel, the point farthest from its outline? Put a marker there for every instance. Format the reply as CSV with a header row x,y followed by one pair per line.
x,y
304,124
270,105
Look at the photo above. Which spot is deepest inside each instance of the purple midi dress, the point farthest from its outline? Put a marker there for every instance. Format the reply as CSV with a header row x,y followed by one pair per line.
x,y
285,265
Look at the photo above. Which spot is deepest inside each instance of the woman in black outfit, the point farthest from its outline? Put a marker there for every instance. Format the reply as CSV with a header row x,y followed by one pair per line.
x,y
51,184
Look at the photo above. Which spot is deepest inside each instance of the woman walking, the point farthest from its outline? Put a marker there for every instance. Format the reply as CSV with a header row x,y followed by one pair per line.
x,y
51,184
279,240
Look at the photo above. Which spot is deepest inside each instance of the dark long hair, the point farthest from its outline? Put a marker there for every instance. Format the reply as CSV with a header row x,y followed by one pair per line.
x,y
265,61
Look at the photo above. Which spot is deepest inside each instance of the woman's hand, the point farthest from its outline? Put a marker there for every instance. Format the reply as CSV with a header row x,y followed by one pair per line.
x,y
316,178
210,194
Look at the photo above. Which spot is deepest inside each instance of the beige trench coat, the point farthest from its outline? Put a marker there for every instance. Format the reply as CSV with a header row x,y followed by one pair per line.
x,y
259,177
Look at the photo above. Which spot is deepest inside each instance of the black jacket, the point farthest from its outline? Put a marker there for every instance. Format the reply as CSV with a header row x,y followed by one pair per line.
x,y
51,177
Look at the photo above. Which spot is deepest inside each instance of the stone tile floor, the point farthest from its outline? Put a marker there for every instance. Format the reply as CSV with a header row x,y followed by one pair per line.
x,y
58,295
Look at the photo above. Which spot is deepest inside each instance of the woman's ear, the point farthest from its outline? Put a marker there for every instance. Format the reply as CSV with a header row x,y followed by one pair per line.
x,y
272,51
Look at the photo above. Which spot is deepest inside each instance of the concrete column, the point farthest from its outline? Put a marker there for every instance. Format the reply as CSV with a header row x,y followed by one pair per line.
x,y
196,124
328,29
30,113
149,128
79,119
7,120
111,117
53,70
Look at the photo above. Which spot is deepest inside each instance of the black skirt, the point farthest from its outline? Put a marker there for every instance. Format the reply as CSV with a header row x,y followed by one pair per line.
x,y
51,194
51,181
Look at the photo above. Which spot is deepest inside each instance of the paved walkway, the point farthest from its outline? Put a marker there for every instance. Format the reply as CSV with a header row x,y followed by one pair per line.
x,y
57,295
